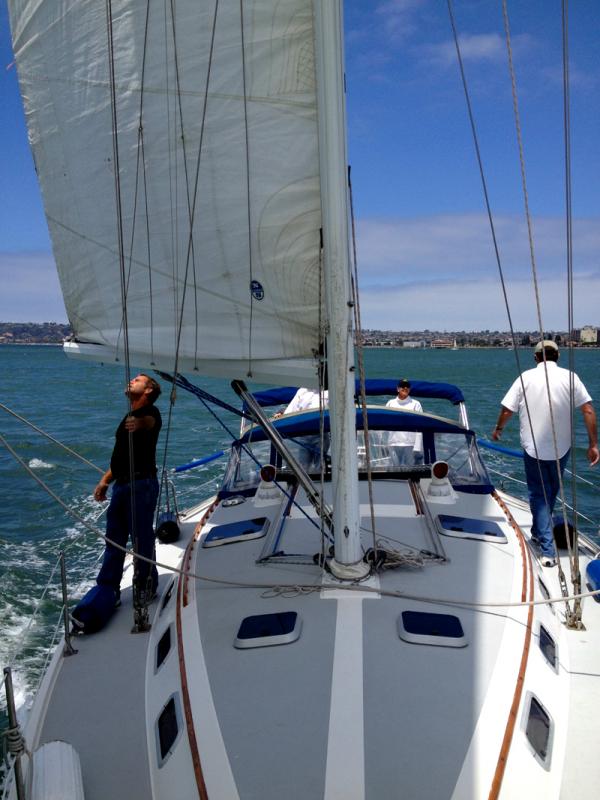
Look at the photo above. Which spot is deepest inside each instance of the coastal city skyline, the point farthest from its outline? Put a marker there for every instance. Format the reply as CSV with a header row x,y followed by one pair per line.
x,y
56,333
424,248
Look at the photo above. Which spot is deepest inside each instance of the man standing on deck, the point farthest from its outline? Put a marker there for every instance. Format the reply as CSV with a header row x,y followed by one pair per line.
x,y
536,422
135,491
406,446
309,450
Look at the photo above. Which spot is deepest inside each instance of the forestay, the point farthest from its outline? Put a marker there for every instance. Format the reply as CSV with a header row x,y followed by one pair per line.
x,y
207,104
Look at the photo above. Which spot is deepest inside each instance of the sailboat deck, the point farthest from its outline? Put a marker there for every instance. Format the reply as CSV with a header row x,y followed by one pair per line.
x,y
349,641
349,703
108,726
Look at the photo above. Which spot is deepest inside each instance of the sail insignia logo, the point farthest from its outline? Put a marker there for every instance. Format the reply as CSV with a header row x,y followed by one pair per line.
x,y
256,288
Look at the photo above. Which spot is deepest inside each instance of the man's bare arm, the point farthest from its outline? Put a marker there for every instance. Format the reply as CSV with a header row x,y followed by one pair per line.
x,y
101,488
503,417
589,418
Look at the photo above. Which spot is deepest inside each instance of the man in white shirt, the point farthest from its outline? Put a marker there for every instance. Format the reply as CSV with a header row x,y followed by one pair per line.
x,y
406,447
309,447
539,452
307,398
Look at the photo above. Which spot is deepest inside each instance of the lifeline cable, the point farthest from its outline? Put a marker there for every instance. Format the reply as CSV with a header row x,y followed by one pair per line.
x,y
52,439
303,588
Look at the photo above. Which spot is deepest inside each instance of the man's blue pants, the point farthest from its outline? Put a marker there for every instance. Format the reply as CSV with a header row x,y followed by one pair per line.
x,y
119,527
543,476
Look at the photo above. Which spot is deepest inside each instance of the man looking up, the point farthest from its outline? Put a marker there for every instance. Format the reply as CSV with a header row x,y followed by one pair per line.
x,y
543,476
135,491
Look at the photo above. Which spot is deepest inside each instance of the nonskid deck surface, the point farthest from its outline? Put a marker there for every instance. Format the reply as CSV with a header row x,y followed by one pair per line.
x,y
581,661
98,700
349,704
350,701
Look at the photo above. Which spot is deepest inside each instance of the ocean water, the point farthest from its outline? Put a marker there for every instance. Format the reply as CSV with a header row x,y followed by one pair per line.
x,y
81,403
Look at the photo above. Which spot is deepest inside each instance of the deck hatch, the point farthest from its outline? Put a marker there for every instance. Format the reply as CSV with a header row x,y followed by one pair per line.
x,y
266,630
423,627
470,528
547,646
163,648
239,531
538,729
168,729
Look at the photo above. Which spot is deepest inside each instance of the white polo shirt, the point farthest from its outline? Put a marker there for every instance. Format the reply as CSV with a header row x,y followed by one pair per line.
x,y
305,399
534,381
405,438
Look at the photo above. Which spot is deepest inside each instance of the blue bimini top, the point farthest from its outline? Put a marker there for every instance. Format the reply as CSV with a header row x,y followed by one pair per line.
x,y
384,419
373,387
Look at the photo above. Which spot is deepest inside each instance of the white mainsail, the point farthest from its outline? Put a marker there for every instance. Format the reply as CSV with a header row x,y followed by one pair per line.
x,y
216,136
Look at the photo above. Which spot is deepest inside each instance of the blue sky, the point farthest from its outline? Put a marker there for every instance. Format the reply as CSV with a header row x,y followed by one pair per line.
x,y
424,248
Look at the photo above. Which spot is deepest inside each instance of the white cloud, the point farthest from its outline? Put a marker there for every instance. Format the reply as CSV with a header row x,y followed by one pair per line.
x,y
398,17
427,248
440,272
477,305
30,289
480,47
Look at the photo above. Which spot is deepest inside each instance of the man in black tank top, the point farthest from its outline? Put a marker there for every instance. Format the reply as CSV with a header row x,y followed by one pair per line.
x,y
135,491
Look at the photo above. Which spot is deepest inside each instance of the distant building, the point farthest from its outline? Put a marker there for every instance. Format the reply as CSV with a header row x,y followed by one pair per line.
x,y
442,343
588,335
413,343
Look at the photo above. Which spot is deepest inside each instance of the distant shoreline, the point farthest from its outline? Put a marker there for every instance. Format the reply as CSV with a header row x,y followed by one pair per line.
x,y
367,347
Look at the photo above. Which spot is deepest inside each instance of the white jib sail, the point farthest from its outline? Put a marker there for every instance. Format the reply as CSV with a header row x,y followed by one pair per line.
x,y
216,135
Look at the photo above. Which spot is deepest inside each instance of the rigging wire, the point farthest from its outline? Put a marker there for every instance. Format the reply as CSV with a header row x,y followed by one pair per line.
x,y
248,204
191,214
574,552
141,158
494,238
139,595
361,365
52,439
575,617
492,228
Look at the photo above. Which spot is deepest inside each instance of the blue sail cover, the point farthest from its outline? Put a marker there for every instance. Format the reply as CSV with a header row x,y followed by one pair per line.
x,y
375,387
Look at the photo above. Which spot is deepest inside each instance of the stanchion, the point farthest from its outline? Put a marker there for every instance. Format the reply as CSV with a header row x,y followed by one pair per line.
x,y
16,745
68,649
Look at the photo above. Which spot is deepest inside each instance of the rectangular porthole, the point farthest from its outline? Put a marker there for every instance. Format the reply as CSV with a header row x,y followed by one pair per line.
x,y
538,730
163,648
545,593
548,647
167,596
266,630
168,729
424,627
